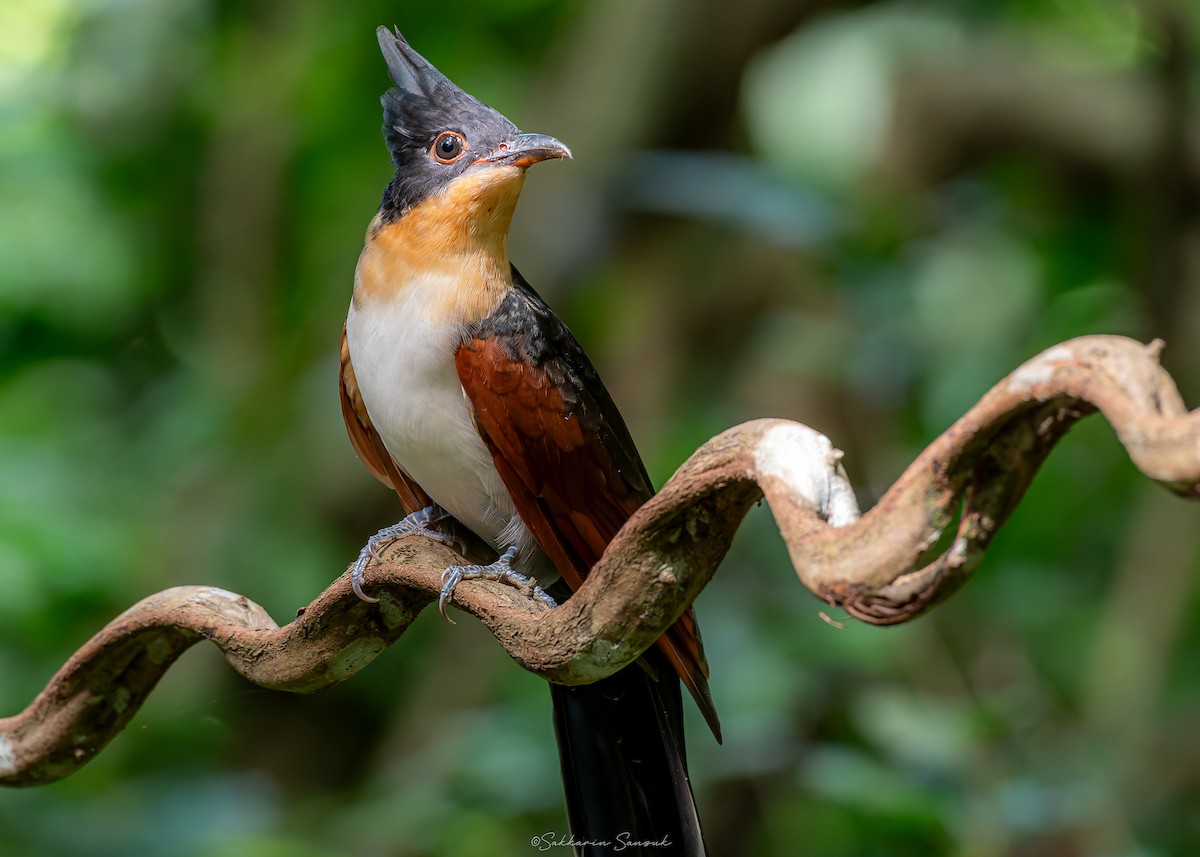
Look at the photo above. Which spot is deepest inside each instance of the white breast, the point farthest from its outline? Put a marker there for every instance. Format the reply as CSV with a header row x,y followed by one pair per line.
x,y
403,356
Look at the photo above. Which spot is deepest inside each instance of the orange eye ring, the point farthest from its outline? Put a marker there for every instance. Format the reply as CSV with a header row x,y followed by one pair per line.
x,y
448,147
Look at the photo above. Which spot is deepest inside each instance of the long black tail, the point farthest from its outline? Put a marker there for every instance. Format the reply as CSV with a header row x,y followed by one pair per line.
x,y
624,766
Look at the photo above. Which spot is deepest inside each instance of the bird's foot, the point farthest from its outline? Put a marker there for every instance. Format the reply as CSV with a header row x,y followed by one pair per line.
x,y
500,571
418,523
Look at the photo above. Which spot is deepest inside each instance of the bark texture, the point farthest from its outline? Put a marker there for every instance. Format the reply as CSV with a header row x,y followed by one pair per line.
x,y
883,567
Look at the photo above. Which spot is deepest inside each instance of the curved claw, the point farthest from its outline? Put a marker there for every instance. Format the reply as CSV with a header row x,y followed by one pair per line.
x,y
358,575
500,571
450,579
418,523
356,582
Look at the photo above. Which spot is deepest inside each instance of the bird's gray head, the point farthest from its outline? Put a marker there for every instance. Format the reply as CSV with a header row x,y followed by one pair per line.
x,y
437,133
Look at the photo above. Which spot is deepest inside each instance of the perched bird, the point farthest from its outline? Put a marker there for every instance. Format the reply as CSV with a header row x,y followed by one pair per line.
x,y
464,392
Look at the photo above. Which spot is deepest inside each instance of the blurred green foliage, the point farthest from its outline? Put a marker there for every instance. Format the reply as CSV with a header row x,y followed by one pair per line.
x,y
858,215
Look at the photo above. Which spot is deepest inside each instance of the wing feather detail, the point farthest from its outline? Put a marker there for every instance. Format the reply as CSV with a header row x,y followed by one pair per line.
x,y
563,451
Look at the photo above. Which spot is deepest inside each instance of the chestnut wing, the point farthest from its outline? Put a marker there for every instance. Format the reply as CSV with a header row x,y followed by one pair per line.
x,y
563,450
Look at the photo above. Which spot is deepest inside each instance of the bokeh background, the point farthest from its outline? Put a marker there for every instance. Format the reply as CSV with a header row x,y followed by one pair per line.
x,y
859,215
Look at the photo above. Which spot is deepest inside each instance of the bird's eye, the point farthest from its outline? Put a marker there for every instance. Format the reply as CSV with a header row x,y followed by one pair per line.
x,y
448,147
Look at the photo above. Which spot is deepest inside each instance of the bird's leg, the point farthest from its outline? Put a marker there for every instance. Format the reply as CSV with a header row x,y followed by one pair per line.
x,y
500,571
418,523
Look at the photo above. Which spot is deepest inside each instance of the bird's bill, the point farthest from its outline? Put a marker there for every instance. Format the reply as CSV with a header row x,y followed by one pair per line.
x,y
525,150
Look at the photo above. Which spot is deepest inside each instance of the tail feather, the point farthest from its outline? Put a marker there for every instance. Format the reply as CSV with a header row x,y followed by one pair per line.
x,y
624,766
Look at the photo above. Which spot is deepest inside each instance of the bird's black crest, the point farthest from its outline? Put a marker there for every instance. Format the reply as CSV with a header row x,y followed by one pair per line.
x,y
423,103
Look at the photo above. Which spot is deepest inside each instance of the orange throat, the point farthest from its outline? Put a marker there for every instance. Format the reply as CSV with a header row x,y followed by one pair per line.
x,y
459,234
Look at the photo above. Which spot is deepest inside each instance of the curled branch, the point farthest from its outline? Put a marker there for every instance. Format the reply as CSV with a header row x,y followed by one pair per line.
x,y
874,565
